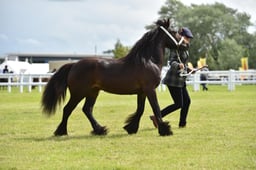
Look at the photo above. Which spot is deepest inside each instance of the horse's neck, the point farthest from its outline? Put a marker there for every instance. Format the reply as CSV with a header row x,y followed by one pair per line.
x,y
158,57
153,51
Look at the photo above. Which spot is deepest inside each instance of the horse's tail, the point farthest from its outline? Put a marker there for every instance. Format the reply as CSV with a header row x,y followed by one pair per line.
x,y
55,90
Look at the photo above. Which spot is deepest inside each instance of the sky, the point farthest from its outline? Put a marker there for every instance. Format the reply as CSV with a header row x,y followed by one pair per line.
x,y
82,26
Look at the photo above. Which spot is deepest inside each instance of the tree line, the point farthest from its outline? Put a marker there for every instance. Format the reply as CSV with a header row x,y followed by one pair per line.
x,y
220,34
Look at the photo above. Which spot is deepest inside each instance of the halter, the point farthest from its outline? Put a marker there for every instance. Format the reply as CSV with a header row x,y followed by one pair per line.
x,y
173,39
177,44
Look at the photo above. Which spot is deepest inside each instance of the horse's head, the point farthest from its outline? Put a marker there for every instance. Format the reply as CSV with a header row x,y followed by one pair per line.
x,y
172,38
153,43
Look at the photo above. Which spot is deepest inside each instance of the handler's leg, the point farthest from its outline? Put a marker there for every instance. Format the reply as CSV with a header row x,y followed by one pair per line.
x,y
176,93
185,107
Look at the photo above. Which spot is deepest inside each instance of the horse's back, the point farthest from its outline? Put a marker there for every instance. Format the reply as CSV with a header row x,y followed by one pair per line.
x,y
111,75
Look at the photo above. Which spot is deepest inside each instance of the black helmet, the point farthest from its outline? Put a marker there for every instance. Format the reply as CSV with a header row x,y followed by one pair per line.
x,y
186,32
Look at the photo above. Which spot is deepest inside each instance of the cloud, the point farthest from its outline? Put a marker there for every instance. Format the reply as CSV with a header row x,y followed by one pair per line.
x,y
61,25
29,41
76,25
4,37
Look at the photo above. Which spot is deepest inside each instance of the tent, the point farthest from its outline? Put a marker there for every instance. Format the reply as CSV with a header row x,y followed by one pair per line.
x,y
38,68
15,67
19,67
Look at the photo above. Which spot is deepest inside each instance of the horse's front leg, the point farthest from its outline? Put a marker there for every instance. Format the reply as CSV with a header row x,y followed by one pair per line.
x,y
132,122
164,128
88,110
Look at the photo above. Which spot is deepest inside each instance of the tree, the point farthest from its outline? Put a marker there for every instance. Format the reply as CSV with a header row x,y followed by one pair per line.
x,y
213,26
119,50
252,51
230,54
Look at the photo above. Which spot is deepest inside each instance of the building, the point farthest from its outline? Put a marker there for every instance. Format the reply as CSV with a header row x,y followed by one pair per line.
x,y
46,58
54,60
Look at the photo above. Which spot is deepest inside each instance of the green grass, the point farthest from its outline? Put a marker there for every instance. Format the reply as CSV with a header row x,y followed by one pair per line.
x,y
220,134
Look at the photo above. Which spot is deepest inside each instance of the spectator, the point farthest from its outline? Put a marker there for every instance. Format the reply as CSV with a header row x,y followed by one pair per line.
x,y
204,77
5,70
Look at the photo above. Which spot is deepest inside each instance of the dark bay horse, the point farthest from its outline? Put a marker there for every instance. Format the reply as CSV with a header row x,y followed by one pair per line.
x,y
137,73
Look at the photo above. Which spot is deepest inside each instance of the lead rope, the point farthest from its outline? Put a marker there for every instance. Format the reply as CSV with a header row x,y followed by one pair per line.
x,y
181,71
178,56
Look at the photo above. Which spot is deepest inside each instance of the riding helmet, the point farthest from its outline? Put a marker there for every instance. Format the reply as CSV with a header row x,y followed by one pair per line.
x,y
186,32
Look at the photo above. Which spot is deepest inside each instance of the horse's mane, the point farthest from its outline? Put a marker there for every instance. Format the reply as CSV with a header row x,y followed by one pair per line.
x,y
141,51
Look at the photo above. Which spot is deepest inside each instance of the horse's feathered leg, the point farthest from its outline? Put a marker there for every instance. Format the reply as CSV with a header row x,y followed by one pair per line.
x,y
132,122
67,110
88,110
164,128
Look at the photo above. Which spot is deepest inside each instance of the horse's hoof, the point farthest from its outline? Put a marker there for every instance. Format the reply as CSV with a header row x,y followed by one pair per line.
x,y
164,129
100,131
60,131
130,129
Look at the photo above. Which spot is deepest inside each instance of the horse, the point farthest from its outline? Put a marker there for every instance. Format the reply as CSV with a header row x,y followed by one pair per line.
x,y
139,72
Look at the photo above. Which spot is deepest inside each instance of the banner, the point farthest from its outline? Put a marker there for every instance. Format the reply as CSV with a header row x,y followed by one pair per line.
x,y
201,62
244,63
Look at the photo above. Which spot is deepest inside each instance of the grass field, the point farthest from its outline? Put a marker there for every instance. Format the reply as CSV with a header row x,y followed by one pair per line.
x,y
220,134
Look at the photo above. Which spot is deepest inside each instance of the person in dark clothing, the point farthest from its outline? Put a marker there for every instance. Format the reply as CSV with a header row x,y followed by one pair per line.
x,y
4,80
204,77
176,83
5,70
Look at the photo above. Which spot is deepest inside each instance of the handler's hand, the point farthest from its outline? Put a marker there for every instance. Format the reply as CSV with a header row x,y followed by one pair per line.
x,y
181,65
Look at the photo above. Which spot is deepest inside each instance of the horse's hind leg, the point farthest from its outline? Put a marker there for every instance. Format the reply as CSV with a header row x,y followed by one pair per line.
x,y
132,123
88,110
67,110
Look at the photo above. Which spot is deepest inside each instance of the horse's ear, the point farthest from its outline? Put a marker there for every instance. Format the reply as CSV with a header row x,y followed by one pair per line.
x,y
168,22
159,22
180,30
163,22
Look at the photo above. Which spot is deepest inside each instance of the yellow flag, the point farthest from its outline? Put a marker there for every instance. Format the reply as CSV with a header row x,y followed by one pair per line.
x,y
244,63
190,65
201,62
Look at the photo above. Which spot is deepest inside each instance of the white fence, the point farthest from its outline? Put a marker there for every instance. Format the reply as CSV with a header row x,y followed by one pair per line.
x,y
24,80
229,78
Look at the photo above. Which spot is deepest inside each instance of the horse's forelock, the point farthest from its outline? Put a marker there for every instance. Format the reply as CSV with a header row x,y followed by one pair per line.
x,y
163,22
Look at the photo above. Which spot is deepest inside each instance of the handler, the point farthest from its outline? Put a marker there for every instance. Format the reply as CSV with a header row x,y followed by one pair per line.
x,y
177,83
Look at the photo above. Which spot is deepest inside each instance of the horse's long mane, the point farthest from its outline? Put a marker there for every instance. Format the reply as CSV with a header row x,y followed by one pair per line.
x,y
145,48
142,50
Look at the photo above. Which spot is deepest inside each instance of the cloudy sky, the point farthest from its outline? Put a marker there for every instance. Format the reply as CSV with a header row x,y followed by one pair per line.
x,y
82,26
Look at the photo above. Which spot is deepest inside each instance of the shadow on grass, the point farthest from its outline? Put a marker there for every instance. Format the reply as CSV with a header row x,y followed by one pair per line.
x,y
84,137
67,137
81,137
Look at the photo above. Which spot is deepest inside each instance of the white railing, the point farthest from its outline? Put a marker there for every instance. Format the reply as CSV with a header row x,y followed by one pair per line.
x,y
231,78
24,80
